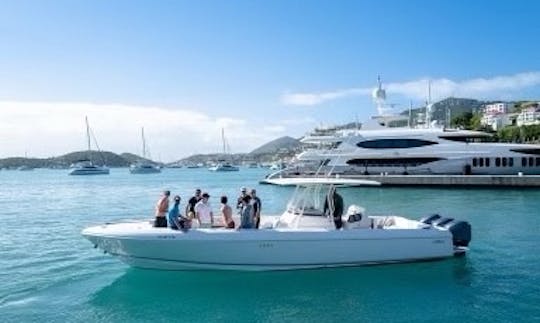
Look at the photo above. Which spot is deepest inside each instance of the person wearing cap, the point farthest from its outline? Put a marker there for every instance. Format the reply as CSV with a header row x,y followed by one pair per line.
x,y
256,202
162,207
246,214
243,193
190,207
203,212
174,214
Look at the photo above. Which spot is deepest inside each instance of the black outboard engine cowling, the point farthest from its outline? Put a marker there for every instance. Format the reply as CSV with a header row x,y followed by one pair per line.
x,y
461,233
430,218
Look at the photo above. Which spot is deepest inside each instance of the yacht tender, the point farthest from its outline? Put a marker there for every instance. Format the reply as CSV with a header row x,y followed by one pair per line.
x,y
302,237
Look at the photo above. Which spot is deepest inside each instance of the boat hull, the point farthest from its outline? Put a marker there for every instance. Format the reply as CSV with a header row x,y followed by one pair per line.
x,y
139,245
104,171
144,170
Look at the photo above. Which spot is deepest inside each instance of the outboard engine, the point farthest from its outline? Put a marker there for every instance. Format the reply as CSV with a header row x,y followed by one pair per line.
x,y
430,218
461,233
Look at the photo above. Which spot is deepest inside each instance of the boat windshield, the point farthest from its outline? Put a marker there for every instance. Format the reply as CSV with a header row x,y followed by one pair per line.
x,y
308,200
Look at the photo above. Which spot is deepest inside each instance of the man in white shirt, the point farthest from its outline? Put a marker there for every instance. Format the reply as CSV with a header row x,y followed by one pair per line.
x,y
203,212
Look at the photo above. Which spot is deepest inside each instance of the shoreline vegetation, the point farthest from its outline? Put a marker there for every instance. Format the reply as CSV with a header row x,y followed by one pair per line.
x,y
273,151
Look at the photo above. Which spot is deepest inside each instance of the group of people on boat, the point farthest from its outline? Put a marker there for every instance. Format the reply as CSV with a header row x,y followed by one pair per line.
x,y
198,209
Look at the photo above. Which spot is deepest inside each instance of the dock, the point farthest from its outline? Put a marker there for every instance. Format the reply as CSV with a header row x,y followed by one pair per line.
x,y
524,181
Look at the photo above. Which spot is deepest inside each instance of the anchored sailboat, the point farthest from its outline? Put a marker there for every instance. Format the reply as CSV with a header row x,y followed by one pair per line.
x,y
86,166
143,166
223,165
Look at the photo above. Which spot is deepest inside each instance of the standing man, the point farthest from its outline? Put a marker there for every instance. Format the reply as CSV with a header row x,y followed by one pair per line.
x,y
190,207
256,202
333,206
239,201
246,214
203,212
162,207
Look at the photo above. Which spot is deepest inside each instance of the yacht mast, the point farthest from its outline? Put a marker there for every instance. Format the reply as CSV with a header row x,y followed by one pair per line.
x,y
143,143
223,140
87,132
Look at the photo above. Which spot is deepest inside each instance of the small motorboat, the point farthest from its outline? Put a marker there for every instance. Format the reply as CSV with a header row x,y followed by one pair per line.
x,y
303,237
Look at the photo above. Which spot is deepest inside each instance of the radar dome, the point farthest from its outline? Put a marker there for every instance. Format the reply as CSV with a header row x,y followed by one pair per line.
x,y
379,94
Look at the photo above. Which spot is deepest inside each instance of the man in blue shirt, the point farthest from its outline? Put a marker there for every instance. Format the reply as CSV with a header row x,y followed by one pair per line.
x,y
174,214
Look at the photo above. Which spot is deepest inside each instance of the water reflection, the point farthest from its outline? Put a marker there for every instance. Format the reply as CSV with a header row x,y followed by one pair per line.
x,y
292,295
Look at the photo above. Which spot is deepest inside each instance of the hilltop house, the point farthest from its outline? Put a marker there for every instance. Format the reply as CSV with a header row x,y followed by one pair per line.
x,y
496,115
529,116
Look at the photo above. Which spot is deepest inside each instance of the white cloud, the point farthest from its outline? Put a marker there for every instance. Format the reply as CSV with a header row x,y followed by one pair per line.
x,y
497,87
275,129
308,99
45,129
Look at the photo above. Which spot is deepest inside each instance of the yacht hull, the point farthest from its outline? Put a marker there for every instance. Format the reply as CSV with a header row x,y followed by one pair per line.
x,y
77,171
140,245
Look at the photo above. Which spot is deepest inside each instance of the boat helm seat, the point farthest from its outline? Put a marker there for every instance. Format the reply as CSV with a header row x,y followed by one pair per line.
x,y
356,218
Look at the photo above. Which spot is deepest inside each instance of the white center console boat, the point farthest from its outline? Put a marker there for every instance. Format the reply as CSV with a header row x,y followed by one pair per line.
x,y
304,236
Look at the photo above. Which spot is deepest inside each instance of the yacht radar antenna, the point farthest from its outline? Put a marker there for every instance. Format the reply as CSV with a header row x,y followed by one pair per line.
x,y
379,96
429,106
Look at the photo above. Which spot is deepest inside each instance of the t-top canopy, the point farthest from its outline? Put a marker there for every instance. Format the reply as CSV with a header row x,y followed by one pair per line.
x,y
308,181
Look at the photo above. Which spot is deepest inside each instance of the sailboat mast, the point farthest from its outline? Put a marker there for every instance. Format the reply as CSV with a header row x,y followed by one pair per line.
x,y
143,143
87,132
223,140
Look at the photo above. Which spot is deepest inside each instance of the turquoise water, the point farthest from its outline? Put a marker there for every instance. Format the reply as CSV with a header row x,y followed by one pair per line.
x,y
49,273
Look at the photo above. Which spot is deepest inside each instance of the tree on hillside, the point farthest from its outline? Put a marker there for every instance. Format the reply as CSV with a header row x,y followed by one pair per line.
x,y
469,121
462,121
529,133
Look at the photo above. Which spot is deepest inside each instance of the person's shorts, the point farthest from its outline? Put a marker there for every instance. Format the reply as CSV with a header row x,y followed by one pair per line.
x,y
160,222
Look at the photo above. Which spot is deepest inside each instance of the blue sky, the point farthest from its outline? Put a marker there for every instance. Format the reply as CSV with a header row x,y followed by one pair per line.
x,y
238,63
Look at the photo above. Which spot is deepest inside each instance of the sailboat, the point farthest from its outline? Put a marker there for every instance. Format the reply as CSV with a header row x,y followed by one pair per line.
x,y
86,166
223,165
143,166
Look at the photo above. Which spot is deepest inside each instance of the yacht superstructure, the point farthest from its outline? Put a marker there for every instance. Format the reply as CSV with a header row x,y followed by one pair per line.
x,y
422,151
427,149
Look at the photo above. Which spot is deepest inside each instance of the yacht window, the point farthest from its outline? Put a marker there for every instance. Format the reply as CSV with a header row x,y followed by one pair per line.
x,y
485,138
504,162
524,161
474,163
530,151
487,162
511,161
537,161
531,161
392,162
394,143
498,162
481,162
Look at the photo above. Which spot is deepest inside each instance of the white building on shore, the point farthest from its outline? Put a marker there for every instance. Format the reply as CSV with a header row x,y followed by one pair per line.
x,y
529,116
498,108
496,115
